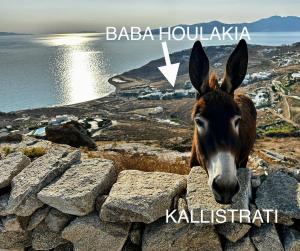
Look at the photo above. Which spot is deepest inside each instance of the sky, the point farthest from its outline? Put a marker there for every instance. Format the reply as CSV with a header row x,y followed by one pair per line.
x,y
58,16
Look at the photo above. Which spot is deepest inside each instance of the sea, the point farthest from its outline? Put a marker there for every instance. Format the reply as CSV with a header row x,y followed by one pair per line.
x,y
60,69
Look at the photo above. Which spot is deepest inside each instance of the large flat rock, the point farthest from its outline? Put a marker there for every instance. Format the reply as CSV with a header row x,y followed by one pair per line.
x,y
10,166
141,196
266,238
280,192
37,175
75,192
202,203
180,236
89,233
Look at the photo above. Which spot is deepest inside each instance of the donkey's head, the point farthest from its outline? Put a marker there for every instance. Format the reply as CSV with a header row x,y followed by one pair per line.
x,y
217,119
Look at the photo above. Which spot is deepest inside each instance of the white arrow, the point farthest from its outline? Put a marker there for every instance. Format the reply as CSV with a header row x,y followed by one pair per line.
x,y
170,70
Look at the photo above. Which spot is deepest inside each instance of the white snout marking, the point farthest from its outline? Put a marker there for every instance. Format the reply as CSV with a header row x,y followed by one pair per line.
x,y
222,164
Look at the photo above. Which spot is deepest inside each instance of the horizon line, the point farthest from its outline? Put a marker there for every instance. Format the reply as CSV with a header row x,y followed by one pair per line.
x,y
182,24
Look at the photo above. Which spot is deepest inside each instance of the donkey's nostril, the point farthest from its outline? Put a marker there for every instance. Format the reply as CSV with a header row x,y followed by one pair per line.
x,y
237,188
216,185
224,191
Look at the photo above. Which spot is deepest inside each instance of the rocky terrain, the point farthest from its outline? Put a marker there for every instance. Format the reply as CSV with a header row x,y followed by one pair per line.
x,y
100,175
64,200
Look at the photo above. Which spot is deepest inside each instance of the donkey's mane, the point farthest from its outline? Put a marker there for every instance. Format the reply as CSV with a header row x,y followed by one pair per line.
x,y
213,81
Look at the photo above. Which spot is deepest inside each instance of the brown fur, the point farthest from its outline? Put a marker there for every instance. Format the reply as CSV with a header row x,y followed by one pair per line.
x,y
218,105
247,129
225,122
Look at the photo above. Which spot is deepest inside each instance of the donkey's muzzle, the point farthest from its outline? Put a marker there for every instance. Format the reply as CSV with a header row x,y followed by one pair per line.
x,y
224,191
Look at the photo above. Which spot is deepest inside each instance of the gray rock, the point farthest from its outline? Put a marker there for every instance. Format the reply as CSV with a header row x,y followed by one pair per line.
x,y
266,238
89,233
279,192
75,192
56,220
201,201
9,137
10,166
13,223
141,196
36,176
37,217
180,236
243,244
291,239
44,239
14,240
71,133
233,231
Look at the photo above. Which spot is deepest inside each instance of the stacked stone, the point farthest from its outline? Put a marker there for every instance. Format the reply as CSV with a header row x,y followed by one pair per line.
x,y
62,202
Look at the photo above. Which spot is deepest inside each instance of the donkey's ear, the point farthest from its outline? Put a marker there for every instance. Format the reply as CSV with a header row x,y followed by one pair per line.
x,y
236,68
199,69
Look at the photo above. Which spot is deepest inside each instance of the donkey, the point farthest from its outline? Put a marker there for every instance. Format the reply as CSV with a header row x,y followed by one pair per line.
x,y
224,122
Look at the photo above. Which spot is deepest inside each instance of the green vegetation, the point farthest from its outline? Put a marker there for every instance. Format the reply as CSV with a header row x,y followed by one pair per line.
x,y
283,129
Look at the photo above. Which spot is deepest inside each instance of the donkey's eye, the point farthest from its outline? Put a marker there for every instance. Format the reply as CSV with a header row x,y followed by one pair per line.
x,y
200,122
237,122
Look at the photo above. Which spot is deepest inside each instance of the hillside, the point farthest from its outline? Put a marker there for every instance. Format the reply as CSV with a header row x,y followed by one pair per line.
x,y
270,24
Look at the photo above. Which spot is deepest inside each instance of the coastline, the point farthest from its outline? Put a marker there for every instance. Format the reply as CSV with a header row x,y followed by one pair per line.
x,y
145,75
147,108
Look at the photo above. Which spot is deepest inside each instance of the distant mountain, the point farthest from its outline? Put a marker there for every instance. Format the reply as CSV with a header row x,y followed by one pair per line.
x,y
270,24
11,33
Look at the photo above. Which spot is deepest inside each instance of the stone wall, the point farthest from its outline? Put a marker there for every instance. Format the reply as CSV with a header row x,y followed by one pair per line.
x,y
61,201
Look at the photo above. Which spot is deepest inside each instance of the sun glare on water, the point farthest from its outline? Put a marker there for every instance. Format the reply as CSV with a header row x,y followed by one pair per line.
x,y
79,69
82,78
68,39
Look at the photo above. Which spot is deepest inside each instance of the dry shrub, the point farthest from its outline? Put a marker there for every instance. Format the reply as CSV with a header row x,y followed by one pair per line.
x,y
142,162
7,150
34,152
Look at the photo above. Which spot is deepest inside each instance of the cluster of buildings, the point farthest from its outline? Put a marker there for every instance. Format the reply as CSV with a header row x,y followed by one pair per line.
x,y
156,94
290,58
257,76
261,97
